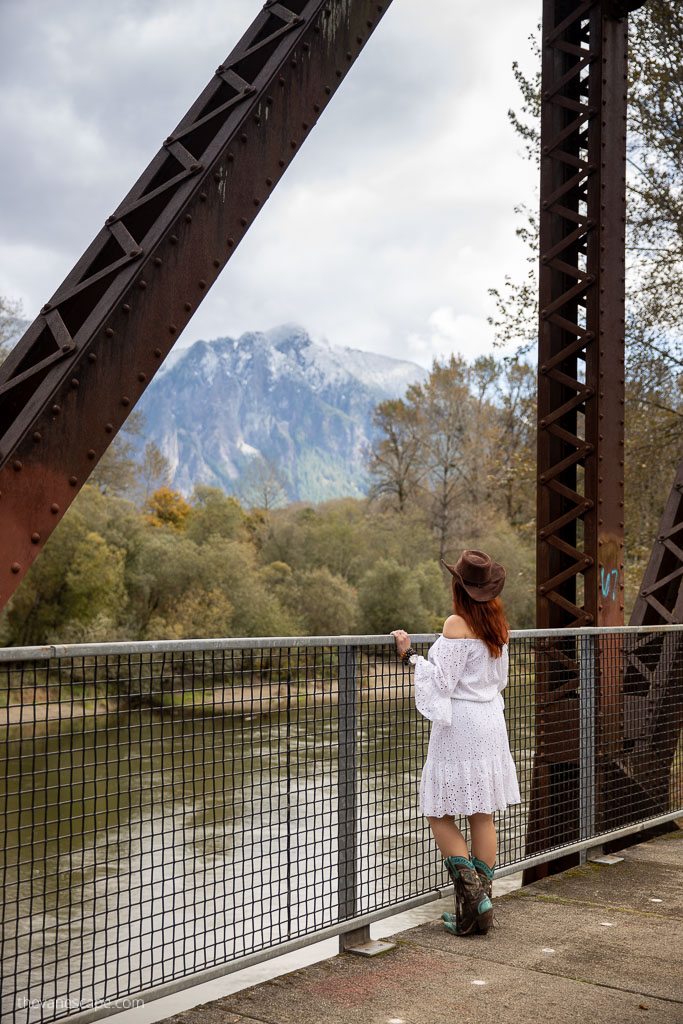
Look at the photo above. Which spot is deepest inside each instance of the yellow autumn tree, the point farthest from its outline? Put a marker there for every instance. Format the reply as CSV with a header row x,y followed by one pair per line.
x,y
165,507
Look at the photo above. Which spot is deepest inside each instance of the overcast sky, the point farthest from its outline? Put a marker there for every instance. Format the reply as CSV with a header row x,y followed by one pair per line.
x,y
386,231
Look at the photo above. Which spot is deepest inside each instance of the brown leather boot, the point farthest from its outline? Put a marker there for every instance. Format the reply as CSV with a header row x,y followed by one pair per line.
x,y
473,908
485,874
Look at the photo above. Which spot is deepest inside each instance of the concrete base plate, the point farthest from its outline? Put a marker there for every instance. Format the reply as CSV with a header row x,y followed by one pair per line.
x,y
605,858
373,948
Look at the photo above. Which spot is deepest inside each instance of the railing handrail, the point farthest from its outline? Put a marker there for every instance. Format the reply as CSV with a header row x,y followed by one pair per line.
x,y
47,651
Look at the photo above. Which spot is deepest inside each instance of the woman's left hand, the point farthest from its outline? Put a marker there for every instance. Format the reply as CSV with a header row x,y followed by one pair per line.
x,y
402,640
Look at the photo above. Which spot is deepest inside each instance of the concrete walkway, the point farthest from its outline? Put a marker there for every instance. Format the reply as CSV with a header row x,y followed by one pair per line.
x,y
596,943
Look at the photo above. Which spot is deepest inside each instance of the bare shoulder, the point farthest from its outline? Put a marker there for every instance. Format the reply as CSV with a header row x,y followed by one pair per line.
x,y
455,628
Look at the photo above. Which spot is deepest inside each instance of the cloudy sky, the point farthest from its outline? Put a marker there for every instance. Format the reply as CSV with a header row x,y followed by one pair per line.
x,y
386,231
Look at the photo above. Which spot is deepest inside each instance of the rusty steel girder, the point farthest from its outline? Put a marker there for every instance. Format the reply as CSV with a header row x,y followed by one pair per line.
x,y
580,506
653,685
74,377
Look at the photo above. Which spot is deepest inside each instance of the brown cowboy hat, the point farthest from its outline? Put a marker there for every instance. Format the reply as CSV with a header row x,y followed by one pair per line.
x,y
481,577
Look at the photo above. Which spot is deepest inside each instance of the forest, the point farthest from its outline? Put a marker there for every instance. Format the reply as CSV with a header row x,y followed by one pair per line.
x,y
453,464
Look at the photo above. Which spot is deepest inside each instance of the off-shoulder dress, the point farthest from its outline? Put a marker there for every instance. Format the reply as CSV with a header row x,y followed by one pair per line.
x,y
469,768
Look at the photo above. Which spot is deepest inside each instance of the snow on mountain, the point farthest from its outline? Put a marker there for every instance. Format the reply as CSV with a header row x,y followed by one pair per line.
x,y
304,404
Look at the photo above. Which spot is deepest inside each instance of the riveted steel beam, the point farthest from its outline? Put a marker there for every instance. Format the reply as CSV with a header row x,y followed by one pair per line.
x,y
78,371
580,505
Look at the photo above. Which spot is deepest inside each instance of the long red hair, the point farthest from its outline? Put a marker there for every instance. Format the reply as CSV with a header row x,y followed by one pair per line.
x,y
486,619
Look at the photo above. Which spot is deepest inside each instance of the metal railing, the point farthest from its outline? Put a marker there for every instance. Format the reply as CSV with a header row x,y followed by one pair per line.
x,y
175,811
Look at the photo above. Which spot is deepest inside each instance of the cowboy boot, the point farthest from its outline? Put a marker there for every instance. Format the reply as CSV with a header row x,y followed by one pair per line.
x,y
473,908
485,874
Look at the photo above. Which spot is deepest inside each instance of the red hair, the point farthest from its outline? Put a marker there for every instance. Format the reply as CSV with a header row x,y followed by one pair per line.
x,y
486,619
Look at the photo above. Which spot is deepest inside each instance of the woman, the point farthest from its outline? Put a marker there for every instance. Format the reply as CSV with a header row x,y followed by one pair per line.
x,y
469,769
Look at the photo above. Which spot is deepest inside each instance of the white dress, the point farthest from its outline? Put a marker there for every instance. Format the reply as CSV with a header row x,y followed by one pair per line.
x,y
469,768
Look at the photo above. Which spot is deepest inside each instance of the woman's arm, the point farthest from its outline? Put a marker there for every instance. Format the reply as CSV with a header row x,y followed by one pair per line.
x,y
433,687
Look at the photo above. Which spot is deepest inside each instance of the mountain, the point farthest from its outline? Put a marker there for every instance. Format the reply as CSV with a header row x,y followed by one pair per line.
x,y
305,405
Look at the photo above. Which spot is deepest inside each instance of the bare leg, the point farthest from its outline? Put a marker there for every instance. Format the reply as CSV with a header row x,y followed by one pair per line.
x,y
484,840
448,837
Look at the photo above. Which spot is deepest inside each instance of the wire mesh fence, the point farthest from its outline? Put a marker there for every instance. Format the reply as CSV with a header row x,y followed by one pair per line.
x,y
173,809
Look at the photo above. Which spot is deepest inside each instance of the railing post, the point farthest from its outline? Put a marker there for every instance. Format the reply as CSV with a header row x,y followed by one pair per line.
x,y
346,775
586,739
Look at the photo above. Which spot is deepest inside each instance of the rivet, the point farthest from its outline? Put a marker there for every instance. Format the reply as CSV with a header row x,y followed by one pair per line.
x,y
172,329
257,119
15,567
541,590
349,55
188,307
269,182
134,252
173,239
231,157
316,107
56,409
202,283
544,423
92,357
307,47
143,284
157,353
359,40
125,307
73,481
216,264
110,219
169,140
231,242
243,221
18,464
157,261
188,218
195,167
281,80
66,348
109,428
216,176
338,73
542,534
202,196
125,401
46,308
293,62
269,100
142,378
37,436
328,90
292,143
543,478
257,202
281,163
54,508
75,382
109,332
305,125
90,453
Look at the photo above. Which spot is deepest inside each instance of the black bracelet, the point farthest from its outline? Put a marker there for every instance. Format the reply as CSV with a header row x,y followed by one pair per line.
x,y
407,653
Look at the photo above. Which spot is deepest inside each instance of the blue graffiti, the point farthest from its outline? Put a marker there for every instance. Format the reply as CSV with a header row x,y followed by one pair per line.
x,y
606,582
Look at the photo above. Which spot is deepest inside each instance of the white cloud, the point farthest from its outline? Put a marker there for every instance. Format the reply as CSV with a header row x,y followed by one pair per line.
x,y
387,231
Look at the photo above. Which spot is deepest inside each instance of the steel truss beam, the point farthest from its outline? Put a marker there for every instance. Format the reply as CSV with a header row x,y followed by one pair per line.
x,y
652,688
580,517
78,371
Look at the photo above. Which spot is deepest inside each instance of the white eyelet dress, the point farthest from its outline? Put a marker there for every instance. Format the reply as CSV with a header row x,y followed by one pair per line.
x,y
469,768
